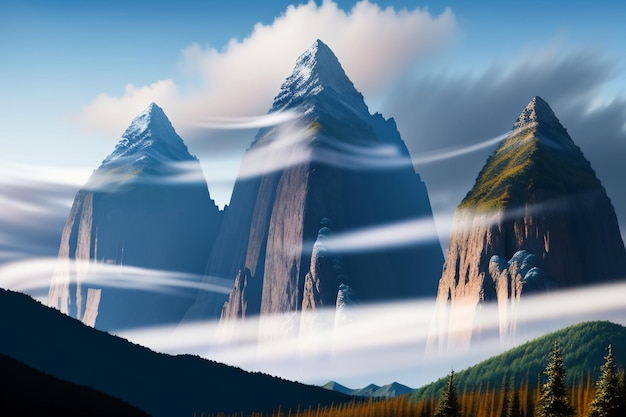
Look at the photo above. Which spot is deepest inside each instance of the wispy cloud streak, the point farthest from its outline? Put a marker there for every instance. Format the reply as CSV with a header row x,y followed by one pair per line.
x,y
246,122
35,200
380,236
442,155
33,276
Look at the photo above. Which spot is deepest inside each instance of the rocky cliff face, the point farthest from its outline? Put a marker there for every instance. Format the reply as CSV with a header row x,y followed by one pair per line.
x,y
146,206
335,167
537,218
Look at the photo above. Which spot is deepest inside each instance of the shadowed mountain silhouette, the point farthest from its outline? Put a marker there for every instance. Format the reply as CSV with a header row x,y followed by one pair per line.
x,y
29,392
160,384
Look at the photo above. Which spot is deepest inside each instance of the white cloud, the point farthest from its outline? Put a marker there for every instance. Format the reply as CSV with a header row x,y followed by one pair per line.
x,y
373,45
113,114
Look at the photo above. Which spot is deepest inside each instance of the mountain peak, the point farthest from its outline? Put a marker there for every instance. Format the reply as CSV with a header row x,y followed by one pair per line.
x,y
150,139
319,63
548,130
537,112
151,120
316,71
538,153
322,54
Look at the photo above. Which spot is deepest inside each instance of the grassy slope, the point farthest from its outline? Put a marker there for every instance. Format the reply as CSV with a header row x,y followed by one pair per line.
x,y
522,163
583,347
159,384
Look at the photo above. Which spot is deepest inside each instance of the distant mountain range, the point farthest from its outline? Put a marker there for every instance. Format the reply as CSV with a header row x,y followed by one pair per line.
x,y
386,391
161,385
583,347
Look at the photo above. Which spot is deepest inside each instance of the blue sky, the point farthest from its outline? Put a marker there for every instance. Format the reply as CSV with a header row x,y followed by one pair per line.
x,y
453,74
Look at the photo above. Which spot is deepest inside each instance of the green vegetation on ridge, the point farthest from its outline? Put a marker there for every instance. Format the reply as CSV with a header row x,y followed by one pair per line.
x,y
500,174
583,347
524,169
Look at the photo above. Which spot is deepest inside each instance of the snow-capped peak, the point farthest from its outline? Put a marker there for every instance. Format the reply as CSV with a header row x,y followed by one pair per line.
x,y
150,140
151,119
317,70
318,61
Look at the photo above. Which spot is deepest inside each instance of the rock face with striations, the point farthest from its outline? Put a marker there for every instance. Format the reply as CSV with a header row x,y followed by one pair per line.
x,y
333,170
147,209
537,218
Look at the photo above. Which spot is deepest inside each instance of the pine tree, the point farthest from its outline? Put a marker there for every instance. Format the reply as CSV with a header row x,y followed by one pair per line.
x,y
608,400
506,399
515,408
449,403
554,401
622,381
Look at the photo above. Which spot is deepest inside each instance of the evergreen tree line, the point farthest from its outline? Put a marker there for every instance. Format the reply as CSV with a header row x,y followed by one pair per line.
x,y
551,398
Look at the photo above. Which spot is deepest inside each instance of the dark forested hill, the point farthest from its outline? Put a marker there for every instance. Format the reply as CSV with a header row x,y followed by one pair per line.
x,y
161,385
28,392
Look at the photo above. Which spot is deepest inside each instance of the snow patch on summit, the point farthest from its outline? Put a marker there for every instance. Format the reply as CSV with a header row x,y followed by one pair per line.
x,y
139,124
318,70
149,146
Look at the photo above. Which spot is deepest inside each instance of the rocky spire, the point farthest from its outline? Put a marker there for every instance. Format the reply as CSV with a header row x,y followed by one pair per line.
x,y
537,111
273,219
548,129
537,218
